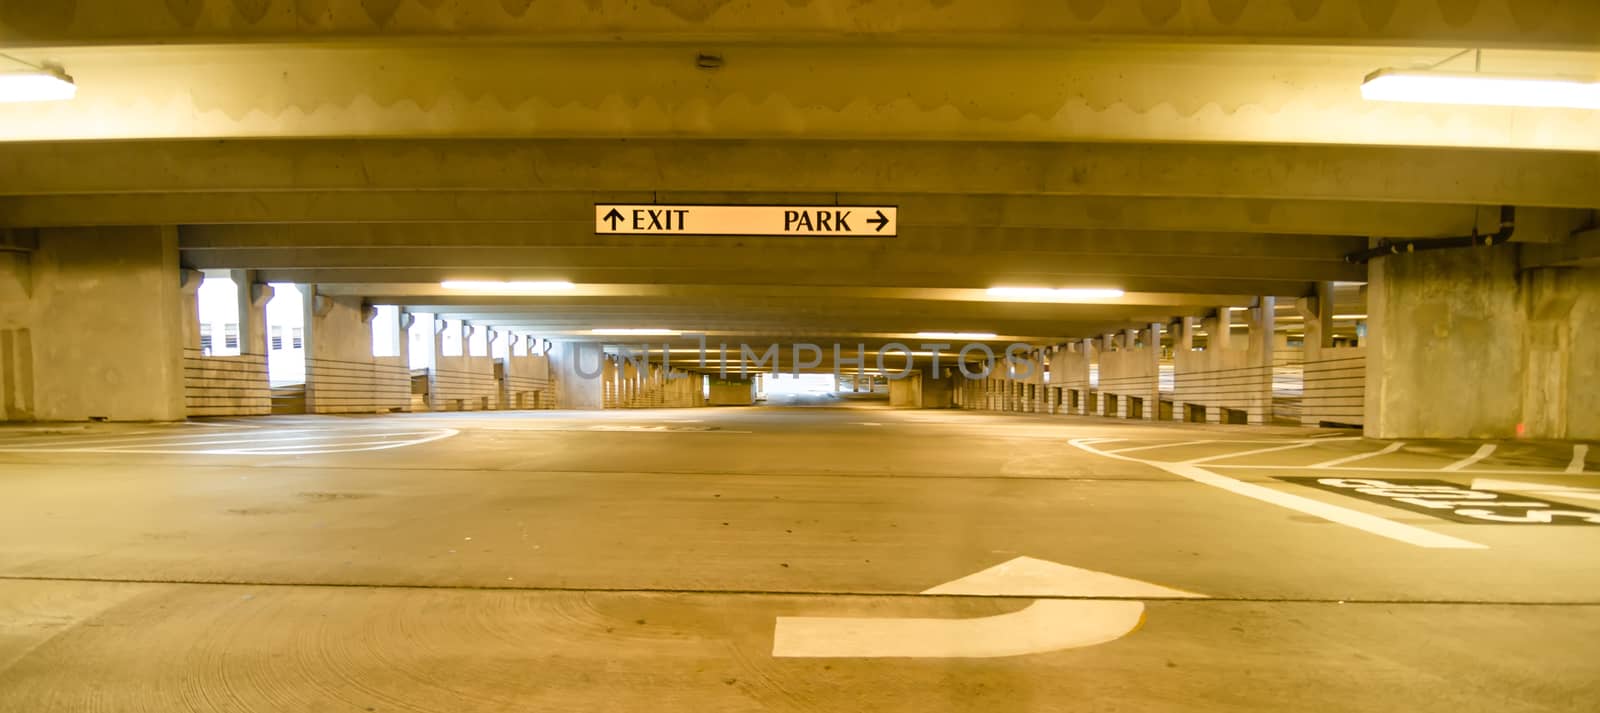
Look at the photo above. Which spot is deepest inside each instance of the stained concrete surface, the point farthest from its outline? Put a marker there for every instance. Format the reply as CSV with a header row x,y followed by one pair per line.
x,y
637,561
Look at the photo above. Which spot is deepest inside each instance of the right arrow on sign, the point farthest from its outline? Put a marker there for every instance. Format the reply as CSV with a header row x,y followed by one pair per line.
x,y
881,221
1042,626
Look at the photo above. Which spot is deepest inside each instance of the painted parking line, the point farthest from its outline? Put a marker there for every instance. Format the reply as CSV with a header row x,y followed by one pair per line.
x,y
1179,444
1484,451
286,443
1392,447
1333,513
1257,451
1580,453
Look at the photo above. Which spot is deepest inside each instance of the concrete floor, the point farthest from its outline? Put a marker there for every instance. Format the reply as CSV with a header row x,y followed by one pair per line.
x,y
640,561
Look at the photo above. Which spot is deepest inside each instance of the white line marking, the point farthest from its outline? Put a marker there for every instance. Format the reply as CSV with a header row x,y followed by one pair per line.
x,y
1482,453
1161,445
1239,454
1045,625
1332,513
310,449
1374,469
1392,447
1580,453
177,443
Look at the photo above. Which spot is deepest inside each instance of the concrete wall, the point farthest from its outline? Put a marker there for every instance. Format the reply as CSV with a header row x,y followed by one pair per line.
x,y
732,391
225,385
907,392
90,326
1132,372
1334,387
1069,373
528,384
342,375
463,383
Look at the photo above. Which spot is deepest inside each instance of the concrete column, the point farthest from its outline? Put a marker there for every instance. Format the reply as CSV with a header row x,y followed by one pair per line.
x,y
1152,346
189,307
1261,320
253,299
104,327
1463,344
1316,313
577,368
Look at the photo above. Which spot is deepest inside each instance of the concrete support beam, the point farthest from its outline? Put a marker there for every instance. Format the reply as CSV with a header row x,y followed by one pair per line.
x,y
1198,170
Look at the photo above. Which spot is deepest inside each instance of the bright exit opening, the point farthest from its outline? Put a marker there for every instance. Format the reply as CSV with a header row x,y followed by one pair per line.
x,y
286,337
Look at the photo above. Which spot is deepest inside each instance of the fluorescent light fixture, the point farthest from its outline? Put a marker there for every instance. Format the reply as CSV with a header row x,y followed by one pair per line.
x,y
956,335
1349,316
38,85
1052,294
1430,87
1238,309
636,332
507,287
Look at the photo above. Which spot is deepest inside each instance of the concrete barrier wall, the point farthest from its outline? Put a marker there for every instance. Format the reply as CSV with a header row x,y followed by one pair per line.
x,y
225,385
1218,379
342,376
527,383
1130,374
1335,387
463,383
383,384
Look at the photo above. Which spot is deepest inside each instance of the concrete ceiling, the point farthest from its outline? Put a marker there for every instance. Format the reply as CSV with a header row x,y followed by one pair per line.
x,y
1196,153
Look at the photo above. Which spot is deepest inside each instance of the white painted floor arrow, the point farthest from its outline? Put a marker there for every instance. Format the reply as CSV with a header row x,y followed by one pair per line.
x,y
1043,626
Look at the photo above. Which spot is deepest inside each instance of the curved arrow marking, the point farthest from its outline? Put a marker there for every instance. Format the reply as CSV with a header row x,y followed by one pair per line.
x,y
1045,625
1042,626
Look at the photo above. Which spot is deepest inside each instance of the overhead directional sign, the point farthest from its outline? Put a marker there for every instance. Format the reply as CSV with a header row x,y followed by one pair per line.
x,y
772,220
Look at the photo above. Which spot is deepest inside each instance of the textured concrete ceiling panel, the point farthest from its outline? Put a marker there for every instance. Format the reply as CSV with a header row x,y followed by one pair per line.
x,y
1200,93
1524,23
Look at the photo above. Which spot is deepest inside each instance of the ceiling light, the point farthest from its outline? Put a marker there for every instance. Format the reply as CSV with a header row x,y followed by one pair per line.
x,y
1349,316
1430,87
38,85
1238,309
1049,294
956,335
507,287
637,332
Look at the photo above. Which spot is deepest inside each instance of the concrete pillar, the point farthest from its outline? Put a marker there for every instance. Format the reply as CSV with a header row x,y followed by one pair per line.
x,y
1463,344
1316,313
1261,321
96,326
732,390
189,307
1152,356
577,368
253,299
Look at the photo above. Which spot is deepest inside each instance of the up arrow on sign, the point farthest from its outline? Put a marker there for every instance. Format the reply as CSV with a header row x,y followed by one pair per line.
x,y
1042,626
842,221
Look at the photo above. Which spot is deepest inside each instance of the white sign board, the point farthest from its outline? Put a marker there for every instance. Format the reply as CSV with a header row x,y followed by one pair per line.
x,y
775,220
